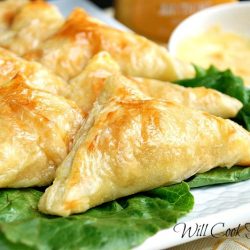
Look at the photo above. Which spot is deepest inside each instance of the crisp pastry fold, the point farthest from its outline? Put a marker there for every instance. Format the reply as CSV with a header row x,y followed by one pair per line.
x,y
37,76
8,10
30,26
81,37
130,144
37,129
199,98
87,86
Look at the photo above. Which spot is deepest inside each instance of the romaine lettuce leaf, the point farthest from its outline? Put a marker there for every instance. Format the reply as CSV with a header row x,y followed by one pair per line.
x,y
7,245
120,224
220,176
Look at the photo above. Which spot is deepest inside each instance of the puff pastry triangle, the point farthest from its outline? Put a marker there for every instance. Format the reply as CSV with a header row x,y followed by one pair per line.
x,y
8,10
36,75
199,98
36,132
131,144
81,37
30,26
87,86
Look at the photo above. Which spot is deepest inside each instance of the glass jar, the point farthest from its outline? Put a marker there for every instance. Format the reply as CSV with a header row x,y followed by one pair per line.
x,y
156,19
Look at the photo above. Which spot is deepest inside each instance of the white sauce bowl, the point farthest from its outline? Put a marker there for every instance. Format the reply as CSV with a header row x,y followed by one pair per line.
x,y
233,17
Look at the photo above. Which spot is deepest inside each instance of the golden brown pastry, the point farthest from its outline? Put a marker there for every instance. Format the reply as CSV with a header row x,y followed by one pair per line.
x,y
85,88
81,37
130,145
34,22
199,98
36,132
37,76
8,10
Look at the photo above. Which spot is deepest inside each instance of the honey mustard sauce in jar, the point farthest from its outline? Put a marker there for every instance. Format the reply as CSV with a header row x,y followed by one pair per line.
x,y
156,19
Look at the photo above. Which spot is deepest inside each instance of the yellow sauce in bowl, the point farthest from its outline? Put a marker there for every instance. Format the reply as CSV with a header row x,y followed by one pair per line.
x,y
220,48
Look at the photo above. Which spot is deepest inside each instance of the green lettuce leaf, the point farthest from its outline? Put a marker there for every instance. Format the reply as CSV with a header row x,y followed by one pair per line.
x,y
6,245
220,176
120,224
227,83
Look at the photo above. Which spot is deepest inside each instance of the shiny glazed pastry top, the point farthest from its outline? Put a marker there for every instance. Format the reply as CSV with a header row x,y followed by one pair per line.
x,y
81,37
8,10
131,143
87,86
36,75
33,23
37,129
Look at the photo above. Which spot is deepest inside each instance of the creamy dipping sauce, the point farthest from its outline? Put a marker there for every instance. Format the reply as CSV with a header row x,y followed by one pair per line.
x,y
220,48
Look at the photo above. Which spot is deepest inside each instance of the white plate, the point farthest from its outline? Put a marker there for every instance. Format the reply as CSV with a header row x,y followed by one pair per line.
x,y
228,204
66,6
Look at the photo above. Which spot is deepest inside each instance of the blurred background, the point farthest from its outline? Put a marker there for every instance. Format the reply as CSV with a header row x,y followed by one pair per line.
x,y
154,19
